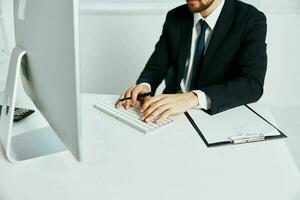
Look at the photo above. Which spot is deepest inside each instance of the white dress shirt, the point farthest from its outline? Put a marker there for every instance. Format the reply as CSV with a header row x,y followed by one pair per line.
x,y
211,20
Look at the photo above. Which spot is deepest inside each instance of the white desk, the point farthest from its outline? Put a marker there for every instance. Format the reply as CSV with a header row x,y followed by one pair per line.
x,y
174,164
288,120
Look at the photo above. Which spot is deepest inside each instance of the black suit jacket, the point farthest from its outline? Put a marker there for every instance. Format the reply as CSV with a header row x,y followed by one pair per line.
x,y
235,62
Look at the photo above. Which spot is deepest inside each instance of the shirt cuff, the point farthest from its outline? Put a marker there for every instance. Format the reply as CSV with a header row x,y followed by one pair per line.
x,y
147,84
203,99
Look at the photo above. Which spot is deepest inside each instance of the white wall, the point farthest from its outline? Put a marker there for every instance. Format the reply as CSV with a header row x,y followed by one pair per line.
x,y
118,36
116,42
8,28
282,85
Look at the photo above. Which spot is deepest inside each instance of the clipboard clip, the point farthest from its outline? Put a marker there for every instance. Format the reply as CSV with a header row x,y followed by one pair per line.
x,y
246,138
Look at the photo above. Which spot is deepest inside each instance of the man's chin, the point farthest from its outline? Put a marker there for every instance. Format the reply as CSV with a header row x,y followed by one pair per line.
x,y
195,9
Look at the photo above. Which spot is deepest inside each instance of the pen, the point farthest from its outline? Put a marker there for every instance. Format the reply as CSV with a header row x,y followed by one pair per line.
x,y
140,95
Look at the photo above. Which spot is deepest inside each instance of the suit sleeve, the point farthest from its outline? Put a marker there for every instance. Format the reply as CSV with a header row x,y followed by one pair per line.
x,y
157,66
247,86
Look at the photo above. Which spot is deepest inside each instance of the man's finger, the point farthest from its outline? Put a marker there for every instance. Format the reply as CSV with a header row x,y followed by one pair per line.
x,y
153,107
127,95
150,101
134,95
157,112
119,103
164,116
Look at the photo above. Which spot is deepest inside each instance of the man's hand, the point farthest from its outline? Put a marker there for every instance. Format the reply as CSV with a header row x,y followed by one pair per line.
x,y
165,105
132,92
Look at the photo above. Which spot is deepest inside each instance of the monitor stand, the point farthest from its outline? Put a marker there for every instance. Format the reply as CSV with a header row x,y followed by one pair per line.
x,y
28,145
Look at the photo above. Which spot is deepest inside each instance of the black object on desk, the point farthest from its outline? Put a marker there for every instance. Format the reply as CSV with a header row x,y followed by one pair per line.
x,y
20,113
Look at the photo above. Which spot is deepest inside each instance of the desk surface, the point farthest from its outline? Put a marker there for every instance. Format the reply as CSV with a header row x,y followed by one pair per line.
x,y
122,163
287,118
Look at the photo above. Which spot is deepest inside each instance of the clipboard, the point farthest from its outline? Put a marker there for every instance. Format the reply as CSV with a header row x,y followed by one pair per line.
x,y
244,124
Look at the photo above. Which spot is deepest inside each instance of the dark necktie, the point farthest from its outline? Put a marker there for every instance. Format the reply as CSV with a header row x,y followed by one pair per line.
x,y
198,57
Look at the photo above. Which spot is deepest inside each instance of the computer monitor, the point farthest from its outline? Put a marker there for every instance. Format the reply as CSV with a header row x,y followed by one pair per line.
x,y
47,30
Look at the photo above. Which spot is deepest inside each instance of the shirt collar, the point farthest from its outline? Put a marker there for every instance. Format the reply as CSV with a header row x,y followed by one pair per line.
x,y
212,19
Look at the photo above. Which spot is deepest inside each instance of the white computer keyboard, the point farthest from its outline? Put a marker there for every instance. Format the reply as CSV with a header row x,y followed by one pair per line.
x,y
131,117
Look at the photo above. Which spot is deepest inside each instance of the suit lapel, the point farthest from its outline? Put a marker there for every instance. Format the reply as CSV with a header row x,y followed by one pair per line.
x,y
185,43
221,29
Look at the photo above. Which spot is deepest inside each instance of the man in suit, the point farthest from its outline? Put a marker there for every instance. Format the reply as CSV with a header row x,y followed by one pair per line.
x,y
212,54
